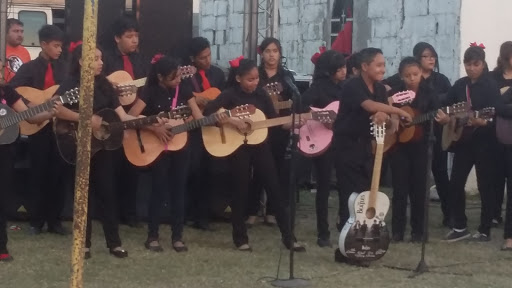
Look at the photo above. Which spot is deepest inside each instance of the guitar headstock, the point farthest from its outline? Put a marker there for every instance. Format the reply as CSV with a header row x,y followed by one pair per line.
x,y
273,88
324,116
70,97
243,111
379,132
403,97
486,113
457,108
187,71
180,112
126,89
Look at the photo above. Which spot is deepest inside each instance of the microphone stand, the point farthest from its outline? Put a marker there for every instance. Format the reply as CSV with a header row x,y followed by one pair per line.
x,y
292,155
422,266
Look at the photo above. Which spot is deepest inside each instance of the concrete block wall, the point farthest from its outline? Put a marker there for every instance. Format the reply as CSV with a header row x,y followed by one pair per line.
x,y
396,26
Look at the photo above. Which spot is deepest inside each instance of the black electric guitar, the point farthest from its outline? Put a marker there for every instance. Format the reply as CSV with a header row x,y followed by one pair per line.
x,y
365,236
9,119
111,133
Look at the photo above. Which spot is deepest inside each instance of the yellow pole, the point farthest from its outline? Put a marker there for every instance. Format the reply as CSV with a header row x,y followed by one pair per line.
x,y
84,142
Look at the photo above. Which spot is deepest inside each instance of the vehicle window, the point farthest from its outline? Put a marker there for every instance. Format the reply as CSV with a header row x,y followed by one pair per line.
x,y
33,21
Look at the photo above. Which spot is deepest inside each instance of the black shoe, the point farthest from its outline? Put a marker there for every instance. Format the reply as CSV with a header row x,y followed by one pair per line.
x,y
397,238
296,247
119,253
154,248
35,230
340,258
59,230
416,238
480,237
454,236
322,243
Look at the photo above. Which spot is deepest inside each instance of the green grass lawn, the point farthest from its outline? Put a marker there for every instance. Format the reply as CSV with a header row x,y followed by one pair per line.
x,y
44,261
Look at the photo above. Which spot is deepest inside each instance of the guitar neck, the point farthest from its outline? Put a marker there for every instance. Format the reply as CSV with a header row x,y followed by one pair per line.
x,y
278,121
280,105
137,123
191,125
376,175
29,113
423,118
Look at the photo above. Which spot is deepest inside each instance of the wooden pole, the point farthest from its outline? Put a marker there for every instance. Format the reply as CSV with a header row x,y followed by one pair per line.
x,y
84,142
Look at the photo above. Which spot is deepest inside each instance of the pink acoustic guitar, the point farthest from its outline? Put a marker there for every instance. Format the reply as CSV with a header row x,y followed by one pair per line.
x,y
315,137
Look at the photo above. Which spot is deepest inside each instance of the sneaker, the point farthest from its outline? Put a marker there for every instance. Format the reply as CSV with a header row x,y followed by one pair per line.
x,y
480,237
454,236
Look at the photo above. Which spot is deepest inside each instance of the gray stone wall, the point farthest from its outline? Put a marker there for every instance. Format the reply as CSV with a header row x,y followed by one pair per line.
x,y
397,25
304,27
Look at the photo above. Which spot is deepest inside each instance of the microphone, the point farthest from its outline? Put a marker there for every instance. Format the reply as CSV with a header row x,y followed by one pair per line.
x,y
292,86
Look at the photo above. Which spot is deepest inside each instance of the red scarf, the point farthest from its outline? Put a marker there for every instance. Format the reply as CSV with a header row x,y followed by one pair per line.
x,y
128,67
206,83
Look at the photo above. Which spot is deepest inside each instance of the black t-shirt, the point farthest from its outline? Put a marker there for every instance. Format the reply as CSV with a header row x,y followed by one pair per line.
x,y
10,95
321,93
32,74
353,122
215,76
105,95
235,96
113,62
159,99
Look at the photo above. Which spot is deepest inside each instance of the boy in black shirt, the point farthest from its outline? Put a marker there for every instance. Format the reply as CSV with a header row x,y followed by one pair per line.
x,y
13,100
364,99
47,197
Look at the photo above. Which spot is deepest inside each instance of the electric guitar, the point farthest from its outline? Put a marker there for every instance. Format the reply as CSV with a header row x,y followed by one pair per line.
x,y
111,133
9,119
142,147
315,138
223,141
274,90
457,131
365,236
504,125
37,97
127,87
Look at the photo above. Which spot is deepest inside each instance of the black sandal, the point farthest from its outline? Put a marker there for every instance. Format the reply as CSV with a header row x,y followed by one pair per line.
x,y
179,249
153,248
119,252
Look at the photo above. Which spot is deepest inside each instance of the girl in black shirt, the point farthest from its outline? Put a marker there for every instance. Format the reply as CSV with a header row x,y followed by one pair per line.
x,y
103,163
330,72
243,80
480,91
271,71
503,76
10,97
163,92
409,160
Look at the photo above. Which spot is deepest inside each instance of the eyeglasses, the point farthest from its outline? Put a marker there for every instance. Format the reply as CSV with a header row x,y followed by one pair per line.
x,y
431,57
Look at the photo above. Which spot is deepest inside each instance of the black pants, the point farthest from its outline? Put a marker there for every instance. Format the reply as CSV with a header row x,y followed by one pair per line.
x,y
440,173
169,175
198,187
477,151
323,165
6,177
353,163
508,217
48,177
500,179
409,172
127,181
102,185
260,158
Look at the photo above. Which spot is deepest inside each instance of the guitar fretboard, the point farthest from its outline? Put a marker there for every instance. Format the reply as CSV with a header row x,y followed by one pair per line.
x,y
194,124
21,116
137,123
423,118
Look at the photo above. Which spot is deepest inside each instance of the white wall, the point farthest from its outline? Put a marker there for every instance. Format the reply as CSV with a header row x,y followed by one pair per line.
x,y
487,22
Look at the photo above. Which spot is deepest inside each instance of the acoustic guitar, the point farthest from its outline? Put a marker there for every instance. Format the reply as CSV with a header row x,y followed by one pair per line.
x,y
142,147
274,90
36,97
365,236
111,133
9,119
315,137
504,125
457,131
127,87
223,141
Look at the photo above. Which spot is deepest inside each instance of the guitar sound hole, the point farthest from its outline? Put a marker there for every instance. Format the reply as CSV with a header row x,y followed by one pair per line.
x,y
312,147
370,213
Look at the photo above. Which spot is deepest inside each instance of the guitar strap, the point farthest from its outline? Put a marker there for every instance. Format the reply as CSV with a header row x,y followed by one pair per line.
x,y
196,85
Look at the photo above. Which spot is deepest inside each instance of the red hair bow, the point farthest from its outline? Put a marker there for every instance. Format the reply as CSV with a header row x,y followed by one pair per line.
x,y
157,58
73,45
317,55
476,45
235,63
259,51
